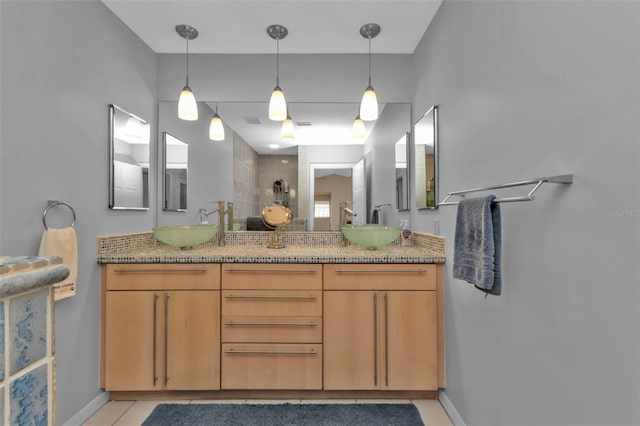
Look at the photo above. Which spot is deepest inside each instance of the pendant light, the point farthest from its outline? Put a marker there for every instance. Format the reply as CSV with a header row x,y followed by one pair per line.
x,y
358,132
187,106
216,128
288,131
369,104
277,104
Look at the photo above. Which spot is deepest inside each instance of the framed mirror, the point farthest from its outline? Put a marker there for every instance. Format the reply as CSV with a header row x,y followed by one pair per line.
x,y
129,143
425,154
402,177
175,165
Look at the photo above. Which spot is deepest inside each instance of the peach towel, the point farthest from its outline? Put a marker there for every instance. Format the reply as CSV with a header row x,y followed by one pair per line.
x,y
62,242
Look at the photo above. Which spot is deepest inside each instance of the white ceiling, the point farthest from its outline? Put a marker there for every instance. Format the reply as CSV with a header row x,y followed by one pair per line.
x,y
239,26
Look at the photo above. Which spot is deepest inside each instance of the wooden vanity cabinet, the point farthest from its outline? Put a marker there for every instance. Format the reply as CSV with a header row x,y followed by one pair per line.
x,y
271,326
161,327
380,327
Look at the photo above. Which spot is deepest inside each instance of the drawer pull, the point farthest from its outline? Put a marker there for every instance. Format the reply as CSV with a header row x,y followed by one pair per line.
x,y
386,271
294,271
266,323
155,271
257,352
310,297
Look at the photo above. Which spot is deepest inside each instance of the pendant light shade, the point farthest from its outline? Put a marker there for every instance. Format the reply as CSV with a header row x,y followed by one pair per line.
x,y
288,131
277,104
358,131
187,106
369,103
216,128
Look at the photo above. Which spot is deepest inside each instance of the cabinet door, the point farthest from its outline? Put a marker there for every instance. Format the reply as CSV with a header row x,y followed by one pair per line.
x,y
132,317
192,340
351,340
410,357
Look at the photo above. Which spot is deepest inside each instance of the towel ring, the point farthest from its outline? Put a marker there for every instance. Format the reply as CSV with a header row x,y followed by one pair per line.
x,y
57,203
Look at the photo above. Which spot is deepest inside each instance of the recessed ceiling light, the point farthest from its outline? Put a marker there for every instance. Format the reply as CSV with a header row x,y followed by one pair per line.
x,y
274,146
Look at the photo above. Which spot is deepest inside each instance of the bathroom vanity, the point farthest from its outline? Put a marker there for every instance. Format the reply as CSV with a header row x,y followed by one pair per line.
x,y
314,319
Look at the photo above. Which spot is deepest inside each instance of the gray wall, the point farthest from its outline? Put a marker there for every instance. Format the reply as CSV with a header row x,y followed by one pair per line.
x,y
63,62
529,89
303,78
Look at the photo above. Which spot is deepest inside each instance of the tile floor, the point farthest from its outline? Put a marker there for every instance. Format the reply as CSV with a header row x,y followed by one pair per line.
x,y
133,413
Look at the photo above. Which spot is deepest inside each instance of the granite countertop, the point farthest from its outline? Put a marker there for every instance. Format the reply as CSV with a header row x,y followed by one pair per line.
x,y
19,274
251,247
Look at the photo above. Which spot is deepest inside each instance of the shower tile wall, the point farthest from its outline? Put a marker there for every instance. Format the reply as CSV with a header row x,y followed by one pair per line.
x,y
275,167
245,179
253,177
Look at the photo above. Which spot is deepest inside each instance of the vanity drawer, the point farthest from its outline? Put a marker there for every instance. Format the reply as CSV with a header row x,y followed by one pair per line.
x,y
272,303
272,276
360,276
162,276
271,329
271,366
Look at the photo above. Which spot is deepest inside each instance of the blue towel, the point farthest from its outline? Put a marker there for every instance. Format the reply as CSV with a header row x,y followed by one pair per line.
x,y
477,244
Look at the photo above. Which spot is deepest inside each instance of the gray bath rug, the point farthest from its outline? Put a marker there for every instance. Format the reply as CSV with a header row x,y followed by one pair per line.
x,y
284,415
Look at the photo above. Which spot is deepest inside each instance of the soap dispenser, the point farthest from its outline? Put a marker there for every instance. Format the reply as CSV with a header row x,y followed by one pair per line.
x,y
405,233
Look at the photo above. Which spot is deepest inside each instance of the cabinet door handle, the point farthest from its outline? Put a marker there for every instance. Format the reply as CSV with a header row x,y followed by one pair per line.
x,y
163,271
385,271
279,270
267,323
274,297
375,339
386,340
155,342
267,352
166,336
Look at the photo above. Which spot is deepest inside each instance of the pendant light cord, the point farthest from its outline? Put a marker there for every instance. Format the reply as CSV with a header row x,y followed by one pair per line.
x,y
187,39
369,60
278,61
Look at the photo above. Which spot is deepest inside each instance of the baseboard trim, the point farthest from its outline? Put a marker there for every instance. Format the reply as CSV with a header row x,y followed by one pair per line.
x,y
446,403
88,410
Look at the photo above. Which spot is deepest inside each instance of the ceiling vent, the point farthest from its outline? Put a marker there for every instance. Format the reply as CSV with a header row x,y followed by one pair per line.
x,y
303,123
252,120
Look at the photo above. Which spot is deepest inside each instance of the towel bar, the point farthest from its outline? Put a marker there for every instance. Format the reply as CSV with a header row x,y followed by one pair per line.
x,y
566,179
53,204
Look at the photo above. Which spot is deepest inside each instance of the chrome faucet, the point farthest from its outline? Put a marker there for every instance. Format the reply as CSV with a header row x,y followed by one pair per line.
x,y
344,213
229,214
375,212
204,214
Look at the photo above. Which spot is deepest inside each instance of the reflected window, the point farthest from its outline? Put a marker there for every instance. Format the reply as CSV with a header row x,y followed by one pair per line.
x,y
322,209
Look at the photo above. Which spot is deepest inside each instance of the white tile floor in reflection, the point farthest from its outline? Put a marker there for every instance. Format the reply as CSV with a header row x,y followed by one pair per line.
x,y
133,413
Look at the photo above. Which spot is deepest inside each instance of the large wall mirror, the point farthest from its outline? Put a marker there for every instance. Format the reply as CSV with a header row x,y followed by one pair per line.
x,y
129,138
244,167
175,167
426,160
402,177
